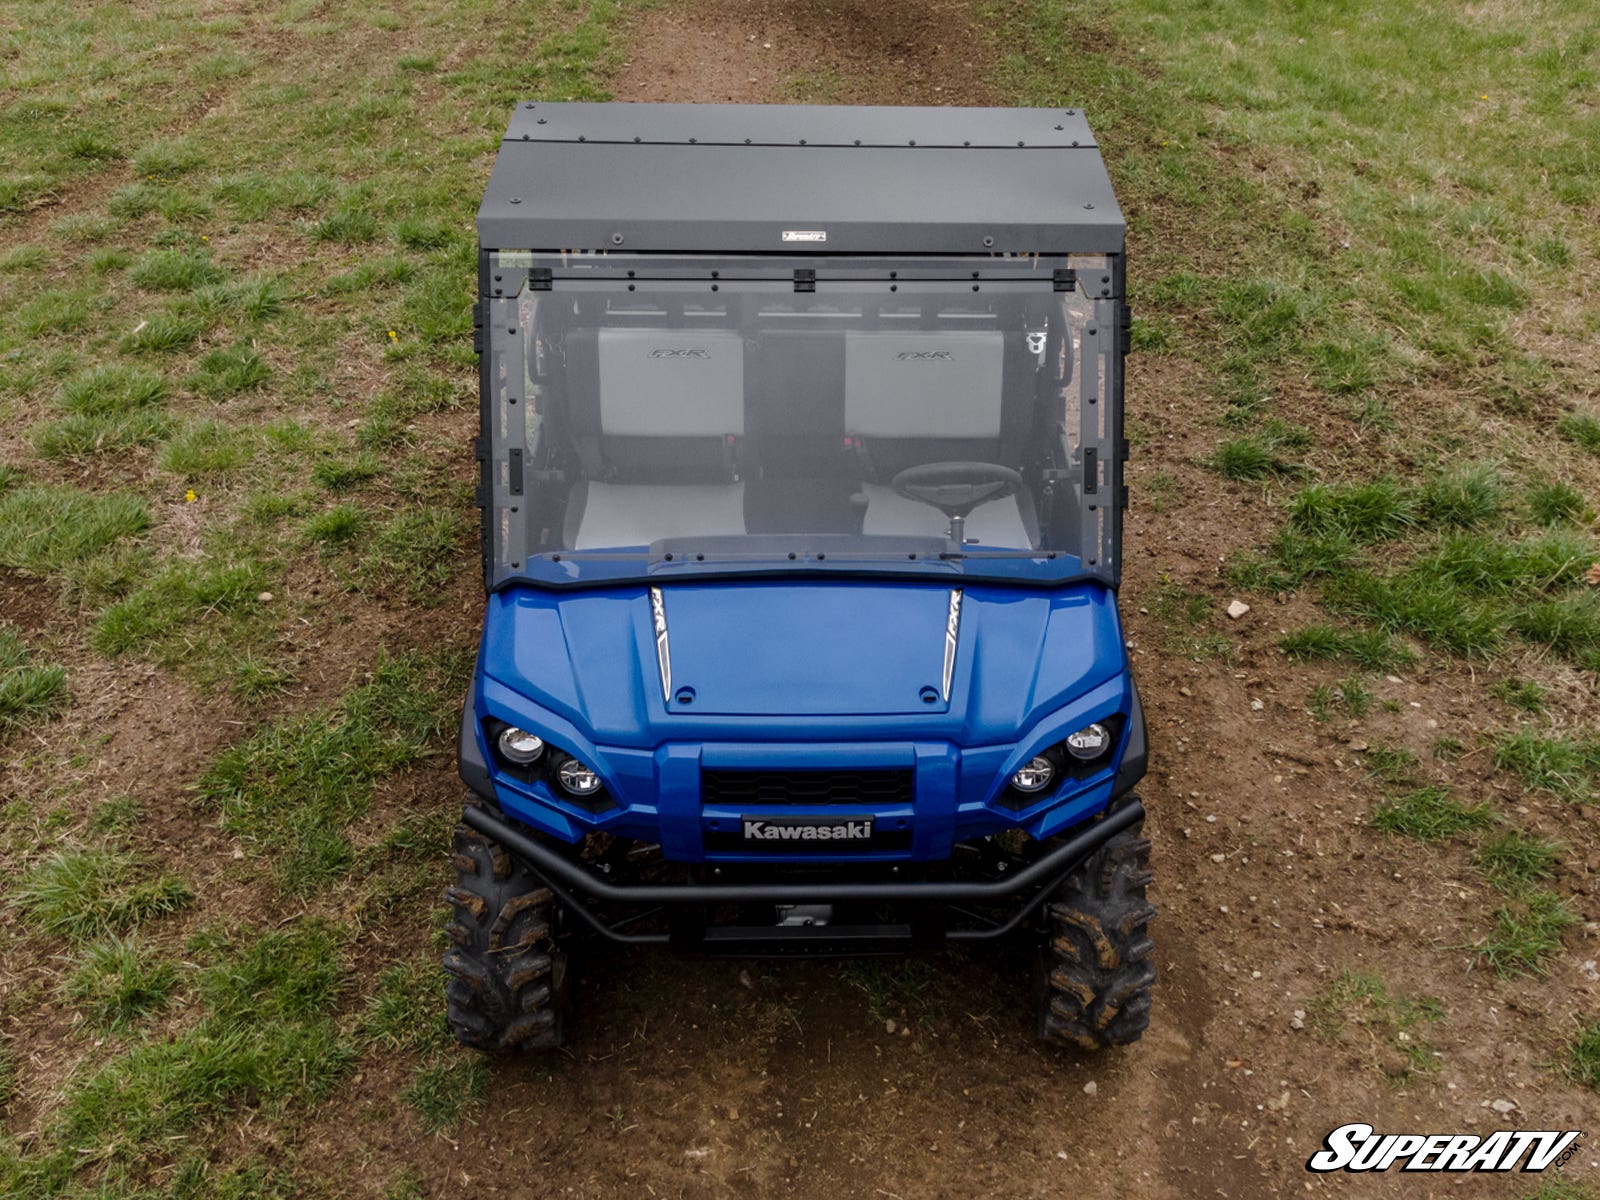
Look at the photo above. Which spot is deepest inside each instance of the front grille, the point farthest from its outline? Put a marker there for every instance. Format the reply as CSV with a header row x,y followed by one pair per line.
x,y
868,789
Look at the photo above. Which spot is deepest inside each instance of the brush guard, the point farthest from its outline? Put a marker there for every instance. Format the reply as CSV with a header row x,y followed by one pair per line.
x,y
689,908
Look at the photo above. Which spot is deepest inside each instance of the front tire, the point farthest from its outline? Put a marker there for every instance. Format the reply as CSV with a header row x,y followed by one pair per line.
x,y
1096,965
508,986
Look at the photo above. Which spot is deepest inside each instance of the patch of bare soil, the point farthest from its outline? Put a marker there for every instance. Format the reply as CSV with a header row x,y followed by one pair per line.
x,y
812,51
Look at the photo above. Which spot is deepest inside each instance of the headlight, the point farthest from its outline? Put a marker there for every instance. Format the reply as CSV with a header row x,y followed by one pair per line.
x,y
519,746
577,779
1090,742
1035,776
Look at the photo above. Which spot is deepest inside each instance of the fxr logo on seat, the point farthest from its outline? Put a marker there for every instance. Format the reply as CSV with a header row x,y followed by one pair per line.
x,y
924,356
674,352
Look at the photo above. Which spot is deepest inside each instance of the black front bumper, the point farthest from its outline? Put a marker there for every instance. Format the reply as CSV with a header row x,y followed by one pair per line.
x,y
687,907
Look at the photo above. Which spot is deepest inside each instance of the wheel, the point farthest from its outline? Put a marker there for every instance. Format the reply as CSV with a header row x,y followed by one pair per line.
x,y
507,967
1096,963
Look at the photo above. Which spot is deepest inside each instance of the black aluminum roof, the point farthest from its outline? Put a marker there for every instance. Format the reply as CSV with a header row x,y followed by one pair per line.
x,y
695,178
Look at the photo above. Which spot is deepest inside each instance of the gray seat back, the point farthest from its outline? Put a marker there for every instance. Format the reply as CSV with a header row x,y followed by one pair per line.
x,y
656,405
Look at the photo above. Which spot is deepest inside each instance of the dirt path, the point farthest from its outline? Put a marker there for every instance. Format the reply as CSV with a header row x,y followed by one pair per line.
x,y
697,1079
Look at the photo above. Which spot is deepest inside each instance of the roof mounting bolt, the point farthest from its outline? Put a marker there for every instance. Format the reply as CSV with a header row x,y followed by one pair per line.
x,y
987,240
544,120
1070,111
692,141
1088,206
912,142
527,137
1060,126
530,106
802,141
638,139
1022,143
616,239
581,138
747,141
1074,141
966,143
516,199
858,141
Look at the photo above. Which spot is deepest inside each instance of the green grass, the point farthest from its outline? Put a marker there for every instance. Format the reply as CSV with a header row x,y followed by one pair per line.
x,y
117,981
1370,512
1563,1187
226,372
1429,814
1350,693
1527,933
295,787
337,526
55,312
175,270
407,1011
185,608
1582,430
91,892
263,1043
1251,457
1370,649
81,435
47,529
29,691
292,975
441,1091
1392,764
163,333
1393,1030
1515,860
253,678
112,390
1584,1061
256,195
158,1091
1558,503
1569,767
344,474
208,448
168,281
412,555
1466,498
1519,693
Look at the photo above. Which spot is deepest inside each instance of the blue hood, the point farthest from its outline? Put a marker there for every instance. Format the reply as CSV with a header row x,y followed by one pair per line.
x,y
808,659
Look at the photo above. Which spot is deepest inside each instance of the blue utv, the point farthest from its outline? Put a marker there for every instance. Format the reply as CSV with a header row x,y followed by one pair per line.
x,y
801,455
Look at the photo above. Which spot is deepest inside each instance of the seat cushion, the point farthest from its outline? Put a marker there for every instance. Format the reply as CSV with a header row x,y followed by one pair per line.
x,y
604,515
1001,522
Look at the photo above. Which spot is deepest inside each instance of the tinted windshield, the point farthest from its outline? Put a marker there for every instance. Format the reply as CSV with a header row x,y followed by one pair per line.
x,y
737,413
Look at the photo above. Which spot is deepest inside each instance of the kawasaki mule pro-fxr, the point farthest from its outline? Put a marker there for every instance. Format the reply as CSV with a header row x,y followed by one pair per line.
x,y
801,488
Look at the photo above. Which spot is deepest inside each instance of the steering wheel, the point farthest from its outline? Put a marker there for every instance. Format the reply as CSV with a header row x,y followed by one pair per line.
x,y
956,488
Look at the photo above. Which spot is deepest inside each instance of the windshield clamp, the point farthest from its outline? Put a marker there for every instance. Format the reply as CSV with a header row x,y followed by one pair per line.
x,y
540,279
805,279
1064,279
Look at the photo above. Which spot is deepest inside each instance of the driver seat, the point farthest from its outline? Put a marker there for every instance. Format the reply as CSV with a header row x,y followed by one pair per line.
x,y
924,397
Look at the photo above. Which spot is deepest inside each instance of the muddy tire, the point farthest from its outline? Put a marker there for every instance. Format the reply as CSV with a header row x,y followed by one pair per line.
x,y
1096,965
508,971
